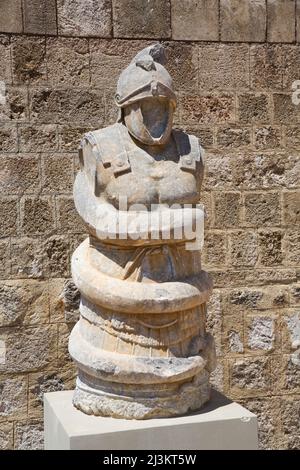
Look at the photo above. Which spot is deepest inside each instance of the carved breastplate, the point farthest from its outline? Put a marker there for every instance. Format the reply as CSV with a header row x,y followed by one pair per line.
x,y
132,173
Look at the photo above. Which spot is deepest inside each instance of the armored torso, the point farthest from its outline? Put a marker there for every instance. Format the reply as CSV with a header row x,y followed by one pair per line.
x,y
141,345
171,176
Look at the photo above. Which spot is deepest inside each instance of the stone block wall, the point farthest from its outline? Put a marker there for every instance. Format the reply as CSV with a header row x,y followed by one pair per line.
x,y
234,62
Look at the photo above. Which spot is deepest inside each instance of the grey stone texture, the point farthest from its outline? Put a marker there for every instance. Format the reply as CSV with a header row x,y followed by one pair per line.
x,y
39,16
84,18
195,20
29,435
11,16
298,20
236,97
281,20
243,20
140,18
276,21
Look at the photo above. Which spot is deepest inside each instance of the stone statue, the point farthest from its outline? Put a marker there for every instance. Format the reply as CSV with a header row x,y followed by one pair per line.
x,y
140,345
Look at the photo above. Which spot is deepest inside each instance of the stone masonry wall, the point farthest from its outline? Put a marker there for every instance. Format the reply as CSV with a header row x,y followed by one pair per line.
x,y
234,62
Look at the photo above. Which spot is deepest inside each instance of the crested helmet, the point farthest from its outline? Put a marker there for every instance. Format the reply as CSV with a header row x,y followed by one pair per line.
x,y
145,77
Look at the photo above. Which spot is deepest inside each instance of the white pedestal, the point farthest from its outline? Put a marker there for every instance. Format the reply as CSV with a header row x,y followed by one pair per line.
x,y
221,424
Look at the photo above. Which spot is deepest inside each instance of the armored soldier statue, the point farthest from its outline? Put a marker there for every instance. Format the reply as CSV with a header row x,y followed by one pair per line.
x,y
141,346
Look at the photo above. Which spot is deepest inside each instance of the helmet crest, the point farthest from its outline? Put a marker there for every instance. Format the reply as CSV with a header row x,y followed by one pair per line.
x,y
145,77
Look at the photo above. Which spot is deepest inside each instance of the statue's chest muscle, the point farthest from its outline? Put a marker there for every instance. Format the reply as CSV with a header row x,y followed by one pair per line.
x,y
154,182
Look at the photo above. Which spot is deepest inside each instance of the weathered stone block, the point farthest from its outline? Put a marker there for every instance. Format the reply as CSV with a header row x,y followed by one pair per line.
x,y
262,209
291,330
68,219
2,351
64,331
45,382
64,301
183,64
286,369
298,20
57,173
8,215
243,20
266,66
88,18
292,136
14,104
291,207
56,256
281,20
233,334
26,258
265,171
29,435
8,138
5,71
291,64
267,137
217,377
253,108
243,248
37,215
291,247
28,60
261,333
223,66
85,106
290,411
28,349
257,277
270,247
233,137
39,16
295,294
213,109
6,436
268,414
38,138
218,172
195,20
142,18
206,200
227,209
250,377
214,319
4,258
204,134
19,174
23,302
11,16
246,299
13,397
214,253
70,136
285,111
68,61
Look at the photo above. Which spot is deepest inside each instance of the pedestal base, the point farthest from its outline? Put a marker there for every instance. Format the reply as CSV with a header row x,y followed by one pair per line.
x,y
221,424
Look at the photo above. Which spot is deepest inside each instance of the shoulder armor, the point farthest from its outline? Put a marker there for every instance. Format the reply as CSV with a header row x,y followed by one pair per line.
x,y
190,150
108,147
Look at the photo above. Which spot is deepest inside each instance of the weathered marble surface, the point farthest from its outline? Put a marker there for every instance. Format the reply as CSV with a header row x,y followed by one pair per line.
x,y
140,345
